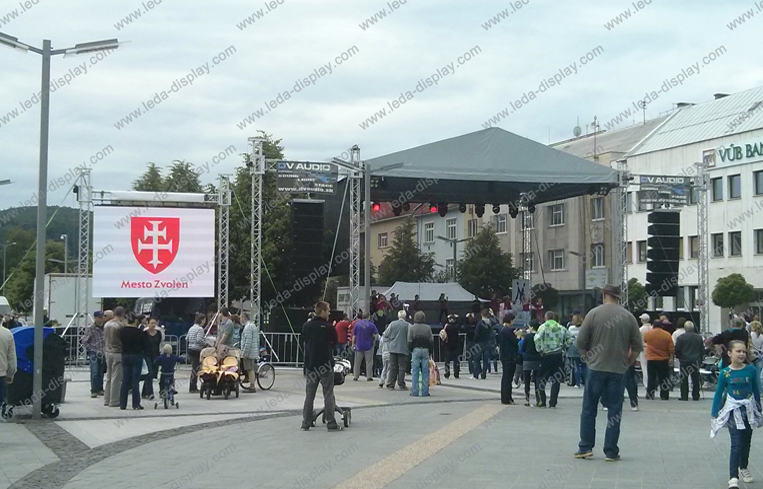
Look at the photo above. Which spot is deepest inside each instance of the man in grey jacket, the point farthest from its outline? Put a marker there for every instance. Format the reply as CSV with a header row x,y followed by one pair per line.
x,y
396,339
113,349
7,361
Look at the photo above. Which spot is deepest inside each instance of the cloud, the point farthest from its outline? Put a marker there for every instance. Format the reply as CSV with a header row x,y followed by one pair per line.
x,y
297,36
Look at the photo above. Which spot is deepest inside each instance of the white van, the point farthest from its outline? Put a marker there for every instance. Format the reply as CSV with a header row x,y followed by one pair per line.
x,y
5,308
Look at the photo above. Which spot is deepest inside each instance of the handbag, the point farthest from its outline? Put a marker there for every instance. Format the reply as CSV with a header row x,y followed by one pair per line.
x,y
144,368
443,335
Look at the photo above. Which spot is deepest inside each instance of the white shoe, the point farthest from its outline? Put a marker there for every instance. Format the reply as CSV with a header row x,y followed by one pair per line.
x,y
746,475
604,408
634,408
733,483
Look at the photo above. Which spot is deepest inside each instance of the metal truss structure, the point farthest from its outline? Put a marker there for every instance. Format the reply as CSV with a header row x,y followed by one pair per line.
x,y
356,210
620,232
255,266
703,276
527,247
223,240
82,288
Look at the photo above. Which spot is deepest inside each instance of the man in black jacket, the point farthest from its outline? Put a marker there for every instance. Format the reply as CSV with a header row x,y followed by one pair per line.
x,y
318,339
509,345
690,349
481,354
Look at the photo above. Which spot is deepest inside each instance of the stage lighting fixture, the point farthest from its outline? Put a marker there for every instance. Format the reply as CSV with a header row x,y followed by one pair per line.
x,y
397,211
531,208
496,209
406,207
442,209
513,212
432,208
461,208
479,209
376,207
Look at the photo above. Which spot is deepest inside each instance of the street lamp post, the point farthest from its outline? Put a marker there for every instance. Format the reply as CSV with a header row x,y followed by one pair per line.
x,y
46,52
66,253
454,242
5,247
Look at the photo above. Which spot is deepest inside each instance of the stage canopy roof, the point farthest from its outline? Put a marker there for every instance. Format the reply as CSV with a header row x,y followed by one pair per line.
x,y
426,291
491,166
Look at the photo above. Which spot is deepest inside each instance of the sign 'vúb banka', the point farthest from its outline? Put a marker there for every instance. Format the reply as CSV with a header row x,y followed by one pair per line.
x,y
738,152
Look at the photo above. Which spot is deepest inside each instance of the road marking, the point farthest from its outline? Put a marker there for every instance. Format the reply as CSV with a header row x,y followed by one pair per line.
x,y
399,463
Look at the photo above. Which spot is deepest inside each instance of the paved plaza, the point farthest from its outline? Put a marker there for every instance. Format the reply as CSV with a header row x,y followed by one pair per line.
x,y
461,436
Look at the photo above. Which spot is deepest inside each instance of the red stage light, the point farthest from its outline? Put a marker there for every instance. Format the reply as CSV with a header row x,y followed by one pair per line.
x,y
376,207
432,208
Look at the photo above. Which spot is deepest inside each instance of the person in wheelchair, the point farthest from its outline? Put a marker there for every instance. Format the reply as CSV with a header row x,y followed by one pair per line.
x,y
166,362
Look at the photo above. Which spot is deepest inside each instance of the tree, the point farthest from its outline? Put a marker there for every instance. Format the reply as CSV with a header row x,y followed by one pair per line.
x,y
20,287
732,290
150,181
486,268
637,296
405,261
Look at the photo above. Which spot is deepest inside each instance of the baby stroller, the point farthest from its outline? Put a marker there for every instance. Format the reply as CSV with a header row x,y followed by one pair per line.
x,y
228,376
342,368
208,372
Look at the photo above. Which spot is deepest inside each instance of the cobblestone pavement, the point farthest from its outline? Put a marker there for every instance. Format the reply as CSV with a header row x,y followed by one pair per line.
x,y
459,437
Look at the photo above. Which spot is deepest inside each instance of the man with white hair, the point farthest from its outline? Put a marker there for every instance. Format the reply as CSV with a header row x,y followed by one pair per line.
x,y
646,325
396,339
689,350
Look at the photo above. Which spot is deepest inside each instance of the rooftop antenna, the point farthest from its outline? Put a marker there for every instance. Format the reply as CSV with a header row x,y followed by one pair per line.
x,y
576,131
595,128
642,106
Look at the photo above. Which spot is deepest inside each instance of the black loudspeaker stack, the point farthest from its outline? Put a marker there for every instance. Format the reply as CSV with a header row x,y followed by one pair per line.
x,y
662,253
307,251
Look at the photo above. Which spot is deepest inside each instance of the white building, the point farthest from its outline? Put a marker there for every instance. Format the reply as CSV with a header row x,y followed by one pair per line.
x,y
730,128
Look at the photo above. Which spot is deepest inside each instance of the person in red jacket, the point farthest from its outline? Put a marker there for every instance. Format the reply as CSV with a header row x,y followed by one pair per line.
x,y
342,328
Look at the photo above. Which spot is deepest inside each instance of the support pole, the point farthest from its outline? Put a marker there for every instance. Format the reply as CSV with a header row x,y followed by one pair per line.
x,y
84,197
703,276
367,236
619,233
42,217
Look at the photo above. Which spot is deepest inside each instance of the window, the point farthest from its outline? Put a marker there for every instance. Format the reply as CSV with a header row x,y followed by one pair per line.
x,y
557,259
716,186
641,205
693,297
529,262
500,223
735,241
735,187
450,228
658,303
681,298
693,195
694,247
641,248
382,240
472,224
597,255
529,220
629,202
557,215
759,241
629,252
680,248
717,242
449,267
597,208
758,177
429,232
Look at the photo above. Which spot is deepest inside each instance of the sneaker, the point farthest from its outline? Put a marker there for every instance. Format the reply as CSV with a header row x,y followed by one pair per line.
x,y
93,395
583,454
540,405
733,483
634,408
335,427
604,408
304,428
370,379
100,393
613,458
746,475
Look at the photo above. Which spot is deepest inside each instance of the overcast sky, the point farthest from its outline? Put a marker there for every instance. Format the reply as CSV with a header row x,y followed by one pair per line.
x,y
297,37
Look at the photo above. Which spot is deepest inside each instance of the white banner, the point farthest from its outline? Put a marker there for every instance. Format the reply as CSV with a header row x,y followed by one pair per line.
x,y
157,252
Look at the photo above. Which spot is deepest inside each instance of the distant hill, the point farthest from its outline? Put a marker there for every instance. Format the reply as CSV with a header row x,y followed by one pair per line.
x,y
66,221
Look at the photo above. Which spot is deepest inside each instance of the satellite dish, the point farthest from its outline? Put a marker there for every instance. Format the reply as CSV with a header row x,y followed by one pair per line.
x,y
577,131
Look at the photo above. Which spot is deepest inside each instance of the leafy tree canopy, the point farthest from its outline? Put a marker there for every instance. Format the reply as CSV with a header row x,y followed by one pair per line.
x,y
486,268
637,296
732,290
405,261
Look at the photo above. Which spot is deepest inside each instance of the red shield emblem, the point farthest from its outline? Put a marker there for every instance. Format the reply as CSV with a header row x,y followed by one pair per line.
x,y
155,241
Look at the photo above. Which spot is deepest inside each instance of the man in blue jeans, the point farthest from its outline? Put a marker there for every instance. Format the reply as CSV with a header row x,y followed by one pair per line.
x,y
93,342
609,342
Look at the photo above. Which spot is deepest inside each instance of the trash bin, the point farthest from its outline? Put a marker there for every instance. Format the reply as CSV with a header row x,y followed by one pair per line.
x,y
20,392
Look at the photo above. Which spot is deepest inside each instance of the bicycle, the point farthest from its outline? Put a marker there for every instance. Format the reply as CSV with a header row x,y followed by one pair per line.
x,y
265,375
